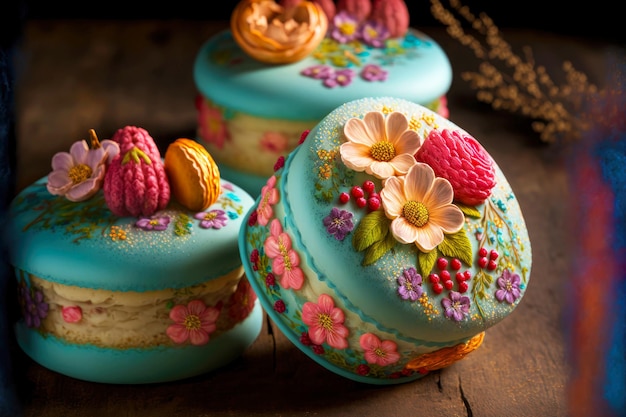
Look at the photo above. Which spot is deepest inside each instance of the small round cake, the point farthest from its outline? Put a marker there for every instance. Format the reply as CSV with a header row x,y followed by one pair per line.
x,y
387,242
250,110
120,283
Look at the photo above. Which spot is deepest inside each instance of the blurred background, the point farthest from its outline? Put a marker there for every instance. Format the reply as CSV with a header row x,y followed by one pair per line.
x,y
599,18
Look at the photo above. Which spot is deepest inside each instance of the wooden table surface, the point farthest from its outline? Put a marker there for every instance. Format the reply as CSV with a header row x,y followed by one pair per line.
x,y
78,75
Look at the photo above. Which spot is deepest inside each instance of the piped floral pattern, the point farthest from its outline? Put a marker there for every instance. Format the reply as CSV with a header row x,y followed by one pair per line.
x,y
394,209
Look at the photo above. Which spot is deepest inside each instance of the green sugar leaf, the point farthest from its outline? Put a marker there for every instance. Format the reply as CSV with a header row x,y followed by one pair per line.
x,y
457,245
469,211
378,249
372,228
426,261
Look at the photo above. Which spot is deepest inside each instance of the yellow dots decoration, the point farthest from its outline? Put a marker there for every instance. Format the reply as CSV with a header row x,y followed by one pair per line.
x,y
415,124
387,110
429,308
117,233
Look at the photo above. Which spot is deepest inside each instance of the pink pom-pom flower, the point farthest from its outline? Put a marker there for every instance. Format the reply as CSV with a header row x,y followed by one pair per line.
x,y
460,159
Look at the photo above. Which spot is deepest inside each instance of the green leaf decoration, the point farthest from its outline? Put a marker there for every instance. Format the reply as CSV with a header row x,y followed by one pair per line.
x,y
457,245
372,228
427,261
378,249
469,211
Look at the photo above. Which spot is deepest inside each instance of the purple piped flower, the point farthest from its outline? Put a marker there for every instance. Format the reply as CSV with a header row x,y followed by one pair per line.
x,y
374,33
215,219
338,223
410,284
153,223
373,72
509,287
339,78
345,27
35,308
319,72
456,306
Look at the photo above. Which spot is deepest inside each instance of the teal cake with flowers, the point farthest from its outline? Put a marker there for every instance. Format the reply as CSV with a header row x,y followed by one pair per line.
x,y
284,65
387,242
125,273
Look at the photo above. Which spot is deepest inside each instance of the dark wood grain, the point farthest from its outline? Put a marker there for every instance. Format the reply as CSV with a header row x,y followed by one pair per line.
x,y
78,75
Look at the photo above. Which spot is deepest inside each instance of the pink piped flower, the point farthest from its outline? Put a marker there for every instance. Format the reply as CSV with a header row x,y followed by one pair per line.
x,y
275,142
325,322
373,72
211,123
339,78
212,219
420,207
72,314
79,173
379,352
194,322
345,27
269,197
285,260
460,159
380,146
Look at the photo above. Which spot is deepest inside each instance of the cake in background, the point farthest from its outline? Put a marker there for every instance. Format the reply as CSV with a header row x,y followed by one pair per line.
x,y
283,66
127,264
387,243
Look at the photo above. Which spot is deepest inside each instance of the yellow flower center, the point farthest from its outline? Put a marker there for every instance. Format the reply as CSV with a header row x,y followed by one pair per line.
x,y
325,321
379,352
415,213
373,33
347,28
192,322
79,173
383,151
210,215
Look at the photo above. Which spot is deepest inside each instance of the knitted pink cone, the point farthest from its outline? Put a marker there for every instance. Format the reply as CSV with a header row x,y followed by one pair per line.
x,y
393,14
461,160
360,9
136,183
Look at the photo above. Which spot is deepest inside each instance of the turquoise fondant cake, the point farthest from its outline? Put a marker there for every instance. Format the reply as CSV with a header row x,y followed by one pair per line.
x,y
120,283
252,108
387,242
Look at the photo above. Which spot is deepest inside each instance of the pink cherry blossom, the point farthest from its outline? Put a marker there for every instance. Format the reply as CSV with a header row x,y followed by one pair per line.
x,y
285,260
193,322
325,322
379,352
269,197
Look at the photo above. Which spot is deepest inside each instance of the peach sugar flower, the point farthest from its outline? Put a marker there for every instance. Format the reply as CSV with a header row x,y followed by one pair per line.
x,y
79,173
325,322
195,322
420,206
383,147
379,352
285,260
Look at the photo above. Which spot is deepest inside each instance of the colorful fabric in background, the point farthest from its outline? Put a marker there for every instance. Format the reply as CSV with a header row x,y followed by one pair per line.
x,y
596,312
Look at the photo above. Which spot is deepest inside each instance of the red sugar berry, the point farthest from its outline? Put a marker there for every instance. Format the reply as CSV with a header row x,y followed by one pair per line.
x,y
460,277
482,262
482,252
492,265
442,263
493,255
357,192
434,278
437,288
361,202
448,284
455,264
468,275
344,198
445,275
463,286
373,203
369,186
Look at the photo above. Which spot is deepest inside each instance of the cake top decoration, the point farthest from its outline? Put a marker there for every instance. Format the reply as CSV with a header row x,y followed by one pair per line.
x,y
289,30
134,178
